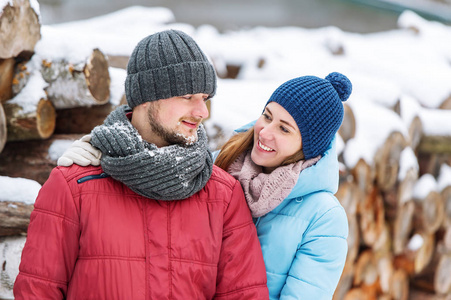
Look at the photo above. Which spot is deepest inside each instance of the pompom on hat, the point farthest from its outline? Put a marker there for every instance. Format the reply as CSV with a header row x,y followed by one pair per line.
x,y
165,65
316,106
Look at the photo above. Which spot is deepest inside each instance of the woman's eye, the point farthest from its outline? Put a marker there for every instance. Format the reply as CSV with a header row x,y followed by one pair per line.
x,y
284,129
266,116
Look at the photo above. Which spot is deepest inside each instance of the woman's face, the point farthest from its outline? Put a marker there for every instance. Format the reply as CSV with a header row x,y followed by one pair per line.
x,y
276,137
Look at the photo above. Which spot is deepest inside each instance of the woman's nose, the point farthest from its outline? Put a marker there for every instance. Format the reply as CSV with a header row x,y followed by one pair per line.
x,y
267,132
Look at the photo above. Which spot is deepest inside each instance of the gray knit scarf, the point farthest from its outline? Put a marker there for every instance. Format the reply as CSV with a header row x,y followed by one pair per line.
x,y
168,173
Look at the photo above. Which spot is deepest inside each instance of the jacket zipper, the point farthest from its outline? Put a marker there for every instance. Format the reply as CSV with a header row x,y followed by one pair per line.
x,y
90,177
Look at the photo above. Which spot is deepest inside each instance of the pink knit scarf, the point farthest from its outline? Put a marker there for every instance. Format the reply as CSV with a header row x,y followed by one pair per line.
x,y
264,192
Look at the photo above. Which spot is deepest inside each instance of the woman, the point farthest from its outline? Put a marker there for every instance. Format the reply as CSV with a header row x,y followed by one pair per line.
x,y
287,165
288,168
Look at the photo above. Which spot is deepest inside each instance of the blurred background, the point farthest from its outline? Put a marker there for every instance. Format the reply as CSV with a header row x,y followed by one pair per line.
x,y
361,16
394,145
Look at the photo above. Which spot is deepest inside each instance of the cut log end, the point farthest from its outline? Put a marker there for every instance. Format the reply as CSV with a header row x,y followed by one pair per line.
x,y
429,212
35,125
442,280
348,127
446,104
98,77
46,119
6,75
3,130
387,160
20,29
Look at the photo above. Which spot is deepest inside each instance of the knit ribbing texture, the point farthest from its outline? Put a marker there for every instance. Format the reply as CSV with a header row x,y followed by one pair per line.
x,y
167,173
264,192
165,65
316,106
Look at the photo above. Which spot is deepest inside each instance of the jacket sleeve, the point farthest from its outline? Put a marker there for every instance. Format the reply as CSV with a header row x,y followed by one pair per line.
x,y
320,258
51,249
241,270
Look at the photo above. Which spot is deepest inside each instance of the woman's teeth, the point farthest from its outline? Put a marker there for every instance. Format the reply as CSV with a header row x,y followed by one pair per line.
x,y
264,147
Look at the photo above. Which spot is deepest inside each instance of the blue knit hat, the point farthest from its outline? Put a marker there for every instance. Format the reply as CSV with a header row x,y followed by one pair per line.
x,y
316,106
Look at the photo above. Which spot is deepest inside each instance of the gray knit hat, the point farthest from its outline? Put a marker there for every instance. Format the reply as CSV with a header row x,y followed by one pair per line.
x,y
167,64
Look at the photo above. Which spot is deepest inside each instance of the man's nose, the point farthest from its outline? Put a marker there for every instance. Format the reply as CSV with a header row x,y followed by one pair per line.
x,y
200,109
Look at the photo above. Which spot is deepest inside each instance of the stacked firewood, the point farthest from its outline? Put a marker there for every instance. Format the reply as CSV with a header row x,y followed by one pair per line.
x,y
399,215
395,191
45,100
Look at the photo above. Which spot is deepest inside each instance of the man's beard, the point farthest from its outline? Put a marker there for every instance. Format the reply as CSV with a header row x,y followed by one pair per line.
x,y
170,136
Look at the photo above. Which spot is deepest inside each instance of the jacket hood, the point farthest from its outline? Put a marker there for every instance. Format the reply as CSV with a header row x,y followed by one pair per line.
x,y
322,176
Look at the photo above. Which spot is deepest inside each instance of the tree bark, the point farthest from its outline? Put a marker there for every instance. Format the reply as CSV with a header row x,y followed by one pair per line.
x,y
429,213
74,84
414,260
372,217
347,128
446,195
17,160
442,280
415,132
365,272
19,28
23,124
3,129
6,75
400,285
364,176
402,226
387,160
81,119
14,218
435,144
345,283
446,104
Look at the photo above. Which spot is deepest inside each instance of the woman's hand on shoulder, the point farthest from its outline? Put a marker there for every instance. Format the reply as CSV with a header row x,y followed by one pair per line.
x,y
82,153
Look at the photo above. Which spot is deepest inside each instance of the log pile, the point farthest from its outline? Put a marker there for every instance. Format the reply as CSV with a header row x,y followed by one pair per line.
x,y
46,102
44,94
394,192
398,213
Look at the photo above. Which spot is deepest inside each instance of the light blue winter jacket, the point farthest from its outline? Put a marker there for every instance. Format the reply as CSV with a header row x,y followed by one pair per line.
x,y
304,238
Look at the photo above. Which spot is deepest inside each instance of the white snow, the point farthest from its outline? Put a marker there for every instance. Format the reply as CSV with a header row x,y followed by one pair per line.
x,y
33,4
32,91
444,178
407,161
3,3
406,66
10,252
424,186
18,189
58,147
415,243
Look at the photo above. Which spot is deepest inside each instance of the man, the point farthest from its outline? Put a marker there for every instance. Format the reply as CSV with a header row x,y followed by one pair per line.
x,y
106,232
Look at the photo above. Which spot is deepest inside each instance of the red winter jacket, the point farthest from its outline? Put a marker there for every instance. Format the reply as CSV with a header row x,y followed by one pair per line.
x,y
91,237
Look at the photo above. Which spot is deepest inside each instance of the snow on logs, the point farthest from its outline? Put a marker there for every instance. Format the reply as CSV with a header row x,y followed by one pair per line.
x,y
30,115
39,78
396,190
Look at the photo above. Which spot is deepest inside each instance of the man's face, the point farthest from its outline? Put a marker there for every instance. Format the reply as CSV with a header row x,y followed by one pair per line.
x,y
176,120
